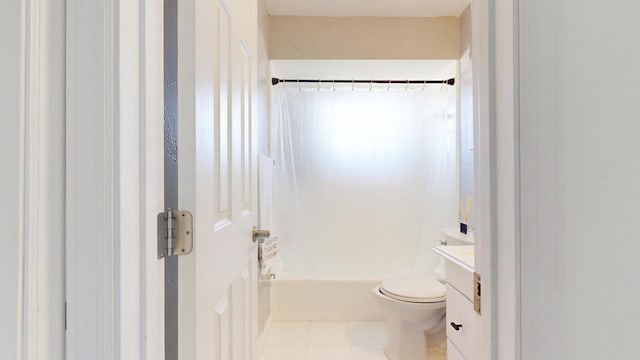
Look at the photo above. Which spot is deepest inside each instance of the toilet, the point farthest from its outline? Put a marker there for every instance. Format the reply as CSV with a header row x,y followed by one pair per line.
x,y
414,305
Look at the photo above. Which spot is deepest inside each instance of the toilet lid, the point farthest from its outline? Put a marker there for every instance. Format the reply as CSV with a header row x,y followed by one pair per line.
x,y
415,288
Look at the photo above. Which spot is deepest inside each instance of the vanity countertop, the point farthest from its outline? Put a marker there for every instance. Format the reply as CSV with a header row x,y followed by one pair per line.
x,y
463,255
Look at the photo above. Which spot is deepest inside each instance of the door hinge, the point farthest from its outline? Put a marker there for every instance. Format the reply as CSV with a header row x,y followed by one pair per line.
x,y
65,316
175,233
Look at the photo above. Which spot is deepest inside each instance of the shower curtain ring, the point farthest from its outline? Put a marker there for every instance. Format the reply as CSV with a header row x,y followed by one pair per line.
x,y
371,85
389,85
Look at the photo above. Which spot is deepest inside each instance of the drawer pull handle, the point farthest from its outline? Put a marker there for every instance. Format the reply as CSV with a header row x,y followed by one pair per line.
x,y
456,326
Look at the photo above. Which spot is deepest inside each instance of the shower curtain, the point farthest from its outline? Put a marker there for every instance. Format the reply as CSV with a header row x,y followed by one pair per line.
x,y
365,178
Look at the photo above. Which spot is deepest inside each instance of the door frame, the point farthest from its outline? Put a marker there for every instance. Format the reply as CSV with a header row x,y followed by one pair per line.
x,y
114,162
495,48
495,45
103,236
32,186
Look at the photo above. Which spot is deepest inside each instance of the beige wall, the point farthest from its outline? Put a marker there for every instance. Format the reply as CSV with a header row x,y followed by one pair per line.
x,y
293,37
465,30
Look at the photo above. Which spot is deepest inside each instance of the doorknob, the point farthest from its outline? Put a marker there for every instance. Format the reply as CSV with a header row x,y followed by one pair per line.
x,y
260,234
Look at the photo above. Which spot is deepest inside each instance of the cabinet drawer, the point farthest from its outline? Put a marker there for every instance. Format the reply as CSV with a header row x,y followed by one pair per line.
x,y
460,312
453,353
460,278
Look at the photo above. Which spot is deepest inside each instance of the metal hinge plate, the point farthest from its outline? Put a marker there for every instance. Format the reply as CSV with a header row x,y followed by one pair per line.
x,y
175,233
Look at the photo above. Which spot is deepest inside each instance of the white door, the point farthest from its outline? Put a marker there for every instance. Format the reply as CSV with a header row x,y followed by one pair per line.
x,y
217,177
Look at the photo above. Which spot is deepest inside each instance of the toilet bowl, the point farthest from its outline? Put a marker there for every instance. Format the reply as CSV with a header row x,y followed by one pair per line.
x,y
413,305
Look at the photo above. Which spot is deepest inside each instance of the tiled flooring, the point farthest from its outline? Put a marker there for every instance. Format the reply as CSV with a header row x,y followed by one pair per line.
x,y
317,340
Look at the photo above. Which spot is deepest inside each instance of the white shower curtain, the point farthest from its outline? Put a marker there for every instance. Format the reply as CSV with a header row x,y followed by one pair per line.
x,y
365,178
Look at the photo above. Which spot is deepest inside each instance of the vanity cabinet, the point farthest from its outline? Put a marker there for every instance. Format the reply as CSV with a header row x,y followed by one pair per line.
x,y
460,324
462,320
452,352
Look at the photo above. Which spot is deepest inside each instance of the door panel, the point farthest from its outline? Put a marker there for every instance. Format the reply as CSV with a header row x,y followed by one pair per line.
x,y
216,71
223,120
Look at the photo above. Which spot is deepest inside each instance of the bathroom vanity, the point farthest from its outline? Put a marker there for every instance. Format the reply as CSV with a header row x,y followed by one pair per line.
x,y
462,319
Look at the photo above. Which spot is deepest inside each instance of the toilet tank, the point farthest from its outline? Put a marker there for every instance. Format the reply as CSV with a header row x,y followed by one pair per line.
x,y
453,236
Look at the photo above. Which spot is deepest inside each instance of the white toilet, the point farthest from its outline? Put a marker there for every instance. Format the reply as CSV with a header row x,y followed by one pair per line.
x,y
413,305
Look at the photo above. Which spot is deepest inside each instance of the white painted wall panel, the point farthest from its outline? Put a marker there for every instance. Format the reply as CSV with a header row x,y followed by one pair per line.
x,y
580,175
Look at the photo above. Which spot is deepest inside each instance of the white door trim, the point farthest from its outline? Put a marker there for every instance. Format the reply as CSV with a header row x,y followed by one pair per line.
x,y
483,168
32,184
31,242
497,174
115,290
152,177
91,180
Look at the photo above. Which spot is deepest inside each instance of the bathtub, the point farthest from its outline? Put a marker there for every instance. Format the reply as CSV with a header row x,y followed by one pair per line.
x,y
298,298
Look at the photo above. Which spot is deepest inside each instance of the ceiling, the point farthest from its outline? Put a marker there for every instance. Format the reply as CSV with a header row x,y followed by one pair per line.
x,y
390,8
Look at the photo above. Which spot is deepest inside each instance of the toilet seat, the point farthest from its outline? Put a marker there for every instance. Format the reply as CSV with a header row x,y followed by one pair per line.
x,y
415,288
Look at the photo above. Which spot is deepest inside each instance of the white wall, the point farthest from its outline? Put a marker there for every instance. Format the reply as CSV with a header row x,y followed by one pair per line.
x,y
580,176
302,37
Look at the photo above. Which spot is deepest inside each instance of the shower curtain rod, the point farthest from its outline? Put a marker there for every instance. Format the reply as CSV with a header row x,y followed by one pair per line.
x,y
276,81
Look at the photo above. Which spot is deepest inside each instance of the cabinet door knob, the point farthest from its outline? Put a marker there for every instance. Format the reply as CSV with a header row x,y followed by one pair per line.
x,y
456,326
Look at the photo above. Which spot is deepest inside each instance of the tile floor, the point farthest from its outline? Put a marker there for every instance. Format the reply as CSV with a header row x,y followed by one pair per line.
x,y
319,340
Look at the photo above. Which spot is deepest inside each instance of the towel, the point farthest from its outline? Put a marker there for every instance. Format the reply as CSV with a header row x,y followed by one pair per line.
x,y
268,248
